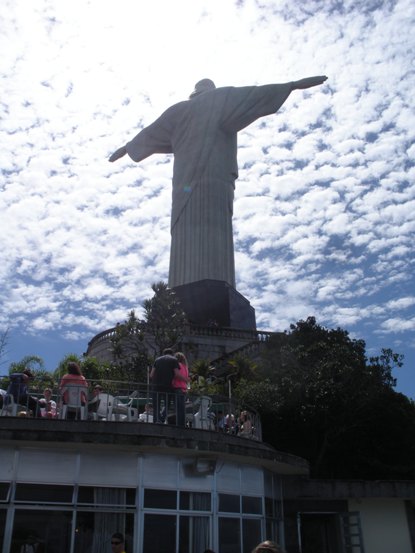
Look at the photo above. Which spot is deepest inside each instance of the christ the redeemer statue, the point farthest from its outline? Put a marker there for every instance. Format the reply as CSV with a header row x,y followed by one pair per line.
x,y
202,134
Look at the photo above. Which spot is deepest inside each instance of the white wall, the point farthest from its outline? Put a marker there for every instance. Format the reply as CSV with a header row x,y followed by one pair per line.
x,y
384,525
95,467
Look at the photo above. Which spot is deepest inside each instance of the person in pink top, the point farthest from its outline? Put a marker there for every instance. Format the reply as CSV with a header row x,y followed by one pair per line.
x,y
179,385
75,378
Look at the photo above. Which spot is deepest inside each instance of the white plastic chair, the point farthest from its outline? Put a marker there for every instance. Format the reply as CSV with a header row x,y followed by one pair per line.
x,y
104,411
120,411
74,396
9,408
145,417
201,419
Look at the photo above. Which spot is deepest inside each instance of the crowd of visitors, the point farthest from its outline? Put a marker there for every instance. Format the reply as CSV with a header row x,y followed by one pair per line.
x,y
169,392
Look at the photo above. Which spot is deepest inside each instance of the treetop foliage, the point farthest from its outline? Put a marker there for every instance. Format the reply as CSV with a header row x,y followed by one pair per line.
x,y
321,398
137,342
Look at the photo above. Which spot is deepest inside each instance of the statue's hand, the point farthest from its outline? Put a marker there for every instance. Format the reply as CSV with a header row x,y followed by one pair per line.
x,y
309,82
118,153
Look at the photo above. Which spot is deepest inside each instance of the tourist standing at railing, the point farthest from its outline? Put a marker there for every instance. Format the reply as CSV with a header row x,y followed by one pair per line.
x,y
161,377
18,389
230,423
179,384
245,425
220,422
74,378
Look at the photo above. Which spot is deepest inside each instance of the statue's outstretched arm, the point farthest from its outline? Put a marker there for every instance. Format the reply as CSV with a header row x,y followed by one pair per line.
x,y
118,153
308,82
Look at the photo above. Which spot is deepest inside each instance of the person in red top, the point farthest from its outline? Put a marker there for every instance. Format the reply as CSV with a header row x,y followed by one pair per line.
x,y
75,378
179,384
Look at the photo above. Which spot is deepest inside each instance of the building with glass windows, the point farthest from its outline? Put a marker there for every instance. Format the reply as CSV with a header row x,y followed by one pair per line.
x,y
73,483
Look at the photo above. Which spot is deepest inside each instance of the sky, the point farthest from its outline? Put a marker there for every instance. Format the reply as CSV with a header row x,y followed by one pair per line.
x,y
325,200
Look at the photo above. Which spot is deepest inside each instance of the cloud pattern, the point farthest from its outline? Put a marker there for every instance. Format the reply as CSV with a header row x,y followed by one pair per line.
x,y
324,208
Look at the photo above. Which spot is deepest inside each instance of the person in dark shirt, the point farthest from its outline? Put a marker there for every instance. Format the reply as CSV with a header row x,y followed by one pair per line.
x,y
18,389
165,368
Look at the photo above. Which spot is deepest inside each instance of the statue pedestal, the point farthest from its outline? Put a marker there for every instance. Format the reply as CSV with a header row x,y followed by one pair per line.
x,y
216,303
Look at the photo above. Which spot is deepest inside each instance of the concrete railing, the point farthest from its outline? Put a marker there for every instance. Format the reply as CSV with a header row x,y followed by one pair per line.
x,y
196,330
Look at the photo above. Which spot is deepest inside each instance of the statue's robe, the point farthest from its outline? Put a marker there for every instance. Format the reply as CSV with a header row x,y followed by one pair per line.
x,y
202,135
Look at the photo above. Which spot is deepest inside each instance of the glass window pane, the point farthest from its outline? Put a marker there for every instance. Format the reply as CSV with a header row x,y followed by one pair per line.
x,y
269,507
195,501
194,534
106,496
273,508
229,503
159,533
4,491
268,483
229,535
86,494
160,499
3,513
251,534
271,530
41,493
51,529
252,505
94,530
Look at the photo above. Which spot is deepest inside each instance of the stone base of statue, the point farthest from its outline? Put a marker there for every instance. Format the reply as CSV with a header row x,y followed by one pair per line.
x,y
216,303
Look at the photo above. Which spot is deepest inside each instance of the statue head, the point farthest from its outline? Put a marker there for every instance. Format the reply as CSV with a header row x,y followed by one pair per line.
x,y
202,86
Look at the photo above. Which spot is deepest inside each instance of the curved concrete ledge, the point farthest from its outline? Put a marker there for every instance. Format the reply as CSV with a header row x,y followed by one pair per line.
x,y
145,437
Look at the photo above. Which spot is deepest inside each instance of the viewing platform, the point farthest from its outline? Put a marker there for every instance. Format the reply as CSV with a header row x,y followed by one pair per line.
x,y
121,416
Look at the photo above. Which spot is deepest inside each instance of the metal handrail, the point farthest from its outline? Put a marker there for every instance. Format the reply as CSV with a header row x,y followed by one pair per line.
x,y
126,401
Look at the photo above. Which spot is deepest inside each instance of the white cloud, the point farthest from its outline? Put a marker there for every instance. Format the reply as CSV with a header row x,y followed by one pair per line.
x,y
325,200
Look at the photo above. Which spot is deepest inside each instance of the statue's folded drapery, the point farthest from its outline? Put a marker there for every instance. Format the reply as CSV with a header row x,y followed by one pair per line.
x,y
202,135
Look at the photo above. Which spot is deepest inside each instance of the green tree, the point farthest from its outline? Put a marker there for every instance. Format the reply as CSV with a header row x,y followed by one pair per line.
x,y
95,370
203,379
61,369
32,362
165,320
138,341
42,378
91,368
242,367
320,398
130,350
